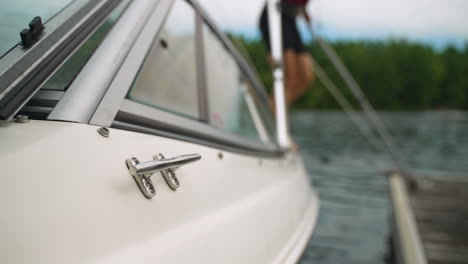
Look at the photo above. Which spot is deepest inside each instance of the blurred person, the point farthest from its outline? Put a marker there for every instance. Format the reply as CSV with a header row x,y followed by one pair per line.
x,y
298,65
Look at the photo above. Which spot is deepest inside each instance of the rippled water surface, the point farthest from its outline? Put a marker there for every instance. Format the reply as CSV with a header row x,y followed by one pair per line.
x,y
354,221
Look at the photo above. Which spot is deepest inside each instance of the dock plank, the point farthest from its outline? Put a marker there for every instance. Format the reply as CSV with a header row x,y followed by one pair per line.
x,y
440,207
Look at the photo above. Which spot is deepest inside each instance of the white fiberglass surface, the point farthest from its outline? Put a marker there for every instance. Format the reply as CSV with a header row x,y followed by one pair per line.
x,y
79,204
15,16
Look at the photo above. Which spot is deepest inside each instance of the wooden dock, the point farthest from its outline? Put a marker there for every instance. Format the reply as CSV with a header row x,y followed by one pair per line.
x,y
439,225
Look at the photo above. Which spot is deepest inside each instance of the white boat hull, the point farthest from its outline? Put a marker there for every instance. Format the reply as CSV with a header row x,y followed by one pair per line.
x,y
66,196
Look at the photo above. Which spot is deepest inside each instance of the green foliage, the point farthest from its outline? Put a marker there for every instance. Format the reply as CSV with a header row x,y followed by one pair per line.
x,y
395,75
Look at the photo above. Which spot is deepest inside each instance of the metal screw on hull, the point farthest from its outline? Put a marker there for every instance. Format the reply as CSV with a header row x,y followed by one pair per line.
x,y
104,132
22,119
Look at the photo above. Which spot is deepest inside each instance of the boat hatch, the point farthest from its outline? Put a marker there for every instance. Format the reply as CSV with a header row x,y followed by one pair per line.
x,y
67,24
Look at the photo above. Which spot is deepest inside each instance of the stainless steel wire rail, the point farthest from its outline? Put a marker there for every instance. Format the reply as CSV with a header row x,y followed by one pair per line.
x,y
347,107
369,111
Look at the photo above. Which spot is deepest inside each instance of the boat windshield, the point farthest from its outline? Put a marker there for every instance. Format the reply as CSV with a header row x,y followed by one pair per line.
x,y
15,16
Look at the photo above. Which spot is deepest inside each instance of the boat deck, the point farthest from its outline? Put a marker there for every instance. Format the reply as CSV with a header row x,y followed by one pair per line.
x,y
440,208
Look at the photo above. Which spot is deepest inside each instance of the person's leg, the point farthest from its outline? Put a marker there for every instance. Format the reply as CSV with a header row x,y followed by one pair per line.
x,y
297,64
298,72
305,74
291,74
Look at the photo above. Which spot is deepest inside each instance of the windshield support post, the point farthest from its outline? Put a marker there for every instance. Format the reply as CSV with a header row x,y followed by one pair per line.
x,y
274,18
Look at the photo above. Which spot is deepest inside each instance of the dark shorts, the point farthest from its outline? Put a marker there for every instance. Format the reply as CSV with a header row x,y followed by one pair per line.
x,y
291,37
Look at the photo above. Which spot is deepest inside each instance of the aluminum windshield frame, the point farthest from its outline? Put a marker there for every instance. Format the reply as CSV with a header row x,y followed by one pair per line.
x,y
106,111
123,51
89,91
142,118
109,106
114,109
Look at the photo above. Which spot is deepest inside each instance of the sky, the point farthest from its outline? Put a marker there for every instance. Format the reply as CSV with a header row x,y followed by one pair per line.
x,y
436,22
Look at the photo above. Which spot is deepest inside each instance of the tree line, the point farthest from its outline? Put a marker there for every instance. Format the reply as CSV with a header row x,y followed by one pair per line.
x,y
395,75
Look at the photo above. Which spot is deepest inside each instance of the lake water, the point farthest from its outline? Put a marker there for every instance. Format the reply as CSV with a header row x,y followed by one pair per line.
x,y
354,221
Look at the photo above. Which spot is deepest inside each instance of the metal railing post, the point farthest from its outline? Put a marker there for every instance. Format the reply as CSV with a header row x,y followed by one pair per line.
x,y
274,18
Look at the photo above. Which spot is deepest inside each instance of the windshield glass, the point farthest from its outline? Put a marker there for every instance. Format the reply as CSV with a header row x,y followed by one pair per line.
x,y
15,16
